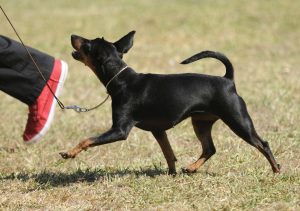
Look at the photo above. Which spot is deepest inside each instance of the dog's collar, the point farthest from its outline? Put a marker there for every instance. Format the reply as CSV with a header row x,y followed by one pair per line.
x,y
106,86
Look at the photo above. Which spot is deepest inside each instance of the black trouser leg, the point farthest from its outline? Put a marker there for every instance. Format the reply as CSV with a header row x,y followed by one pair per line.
x,y
18,75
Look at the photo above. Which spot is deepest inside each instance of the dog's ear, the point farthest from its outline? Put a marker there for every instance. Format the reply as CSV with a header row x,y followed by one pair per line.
x,y
125,43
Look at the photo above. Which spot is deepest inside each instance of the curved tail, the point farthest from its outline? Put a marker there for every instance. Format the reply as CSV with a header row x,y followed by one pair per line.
x,y
211,54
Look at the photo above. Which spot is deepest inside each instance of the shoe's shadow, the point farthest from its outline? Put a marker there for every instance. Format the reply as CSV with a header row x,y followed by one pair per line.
x,y
56,179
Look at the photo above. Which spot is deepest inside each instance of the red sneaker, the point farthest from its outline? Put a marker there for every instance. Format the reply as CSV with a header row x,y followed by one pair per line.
x,y
41,113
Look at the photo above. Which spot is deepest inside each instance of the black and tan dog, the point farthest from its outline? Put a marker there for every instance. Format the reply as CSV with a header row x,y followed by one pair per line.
x,y
156,102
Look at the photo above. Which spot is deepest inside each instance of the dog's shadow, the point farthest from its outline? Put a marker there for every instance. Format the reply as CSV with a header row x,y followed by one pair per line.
x,y
56,179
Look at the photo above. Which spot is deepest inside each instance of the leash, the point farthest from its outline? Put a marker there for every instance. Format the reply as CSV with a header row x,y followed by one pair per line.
x,y
61,105
79,109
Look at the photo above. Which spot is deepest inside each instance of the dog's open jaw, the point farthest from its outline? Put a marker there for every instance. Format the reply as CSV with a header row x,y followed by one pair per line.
x,y
78,53
76,42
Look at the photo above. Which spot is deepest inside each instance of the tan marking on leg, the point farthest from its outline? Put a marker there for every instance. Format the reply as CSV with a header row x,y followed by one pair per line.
x,y
264,148
83,145
203,132
194,166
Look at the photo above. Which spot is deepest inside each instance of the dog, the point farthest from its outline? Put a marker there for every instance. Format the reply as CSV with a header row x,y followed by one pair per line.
x,y
158,102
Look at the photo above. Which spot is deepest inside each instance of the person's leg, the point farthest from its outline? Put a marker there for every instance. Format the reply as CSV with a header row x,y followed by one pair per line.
x,y
18,75
20,79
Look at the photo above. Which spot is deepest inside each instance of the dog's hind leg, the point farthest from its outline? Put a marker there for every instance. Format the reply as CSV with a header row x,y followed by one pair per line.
x,y
202,129
162,139
237,118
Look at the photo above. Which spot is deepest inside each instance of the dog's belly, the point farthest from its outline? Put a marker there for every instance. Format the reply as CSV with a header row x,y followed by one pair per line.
x,y
155,124
161,124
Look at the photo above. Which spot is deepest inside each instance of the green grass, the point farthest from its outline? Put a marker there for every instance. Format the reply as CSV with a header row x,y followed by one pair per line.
x,y
261,38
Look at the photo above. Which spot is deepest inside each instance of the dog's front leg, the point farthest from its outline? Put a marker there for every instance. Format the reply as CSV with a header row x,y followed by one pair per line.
x,y
113,135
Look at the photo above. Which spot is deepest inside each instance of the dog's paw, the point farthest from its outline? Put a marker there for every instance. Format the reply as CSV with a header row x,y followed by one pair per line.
x,y
277,170
172,172
65,155
187,170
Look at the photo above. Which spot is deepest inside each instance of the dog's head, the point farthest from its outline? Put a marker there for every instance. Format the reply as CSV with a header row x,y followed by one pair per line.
x,y
97,52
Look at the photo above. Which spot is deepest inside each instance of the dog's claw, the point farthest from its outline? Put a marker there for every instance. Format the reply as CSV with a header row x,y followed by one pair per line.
x,y
64,155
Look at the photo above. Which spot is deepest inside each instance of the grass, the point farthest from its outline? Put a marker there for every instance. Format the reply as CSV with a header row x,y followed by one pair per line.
x,y
261,38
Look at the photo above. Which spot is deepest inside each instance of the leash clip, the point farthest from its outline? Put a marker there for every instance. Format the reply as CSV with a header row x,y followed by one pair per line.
x,y
76,108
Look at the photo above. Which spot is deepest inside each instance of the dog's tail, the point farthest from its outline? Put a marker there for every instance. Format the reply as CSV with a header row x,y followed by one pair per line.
x,y
221,57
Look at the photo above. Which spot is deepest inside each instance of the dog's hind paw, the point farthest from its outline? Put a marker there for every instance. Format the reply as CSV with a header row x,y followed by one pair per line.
x,y
186,170
277,170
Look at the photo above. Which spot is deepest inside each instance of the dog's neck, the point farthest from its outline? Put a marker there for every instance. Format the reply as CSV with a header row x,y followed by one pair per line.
x,y
108,73
115,76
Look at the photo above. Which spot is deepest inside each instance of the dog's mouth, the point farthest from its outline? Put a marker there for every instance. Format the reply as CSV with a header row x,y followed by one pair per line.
x,y
76,42
77,55
82,47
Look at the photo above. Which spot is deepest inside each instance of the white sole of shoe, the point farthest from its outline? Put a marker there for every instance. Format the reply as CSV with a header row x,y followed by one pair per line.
x,y
64,73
